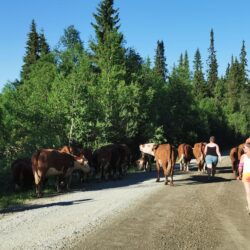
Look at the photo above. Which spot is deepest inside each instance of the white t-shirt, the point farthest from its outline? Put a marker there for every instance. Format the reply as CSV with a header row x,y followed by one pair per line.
x,y
246,168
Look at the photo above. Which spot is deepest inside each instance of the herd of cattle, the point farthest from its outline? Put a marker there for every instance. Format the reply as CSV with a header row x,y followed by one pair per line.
x,y
108,162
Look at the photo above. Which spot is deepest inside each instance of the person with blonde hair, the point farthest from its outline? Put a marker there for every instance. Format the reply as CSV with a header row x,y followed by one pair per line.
x,y
212,153
244,172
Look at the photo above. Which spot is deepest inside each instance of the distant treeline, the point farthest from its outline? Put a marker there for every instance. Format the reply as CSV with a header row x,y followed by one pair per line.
x,y
103,92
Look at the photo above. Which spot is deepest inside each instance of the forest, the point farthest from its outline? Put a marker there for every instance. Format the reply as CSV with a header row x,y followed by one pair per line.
x,y
99,92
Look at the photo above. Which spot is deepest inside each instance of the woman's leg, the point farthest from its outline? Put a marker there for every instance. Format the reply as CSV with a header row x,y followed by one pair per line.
x,y
247,189
209,169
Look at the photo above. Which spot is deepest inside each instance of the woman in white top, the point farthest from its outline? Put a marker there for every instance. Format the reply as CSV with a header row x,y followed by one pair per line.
x,y
212,153
244,172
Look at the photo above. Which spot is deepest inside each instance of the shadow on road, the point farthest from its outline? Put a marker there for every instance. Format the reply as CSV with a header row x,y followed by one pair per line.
x,y
37,206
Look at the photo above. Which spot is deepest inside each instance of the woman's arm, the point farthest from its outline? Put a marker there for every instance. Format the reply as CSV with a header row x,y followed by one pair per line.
x,y
205,150
218,151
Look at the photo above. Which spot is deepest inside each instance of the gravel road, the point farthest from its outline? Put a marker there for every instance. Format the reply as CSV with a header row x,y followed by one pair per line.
x,y
135,213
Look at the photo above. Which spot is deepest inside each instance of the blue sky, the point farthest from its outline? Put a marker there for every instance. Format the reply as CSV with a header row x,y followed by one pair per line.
x,y
181,24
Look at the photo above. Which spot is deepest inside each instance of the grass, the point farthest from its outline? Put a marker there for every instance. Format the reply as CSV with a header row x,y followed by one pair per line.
x,y
10,198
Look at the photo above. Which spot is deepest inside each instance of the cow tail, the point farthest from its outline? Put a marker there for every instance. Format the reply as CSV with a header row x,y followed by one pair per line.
x,y
169,167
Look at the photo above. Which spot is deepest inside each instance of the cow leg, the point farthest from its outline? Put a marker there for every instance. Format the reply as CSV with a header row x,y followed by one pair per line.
x,y
158,171
38,183
181,167
165,174
58,182
39,189
149,165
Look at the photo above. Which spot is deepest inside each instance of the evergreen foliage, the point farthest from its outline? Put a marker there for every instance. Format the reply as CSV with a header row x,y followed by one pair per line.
x,y
32,51
212,66
199,83
160,61
110,94
43,45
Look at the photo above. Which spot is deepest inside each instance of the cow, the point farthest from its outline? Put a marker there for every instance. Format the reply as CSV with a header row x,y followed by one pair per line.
x,y
103,162
235,155
198,152
185,154
147,148
47,162
125,158
145,162
165,158
22,174
111,161
84,153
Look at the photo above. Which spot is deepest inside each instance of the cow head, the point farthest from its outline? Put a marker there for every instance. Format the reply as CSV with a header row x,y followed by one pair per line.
x,y
81,163
140,163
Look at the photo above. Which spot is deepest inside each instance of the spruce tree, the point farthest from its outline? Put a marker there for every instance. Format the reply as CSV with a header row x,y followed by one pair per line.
x,y
212,66
160,61
43,45
183,70
199,84
107,19
133,62
243,62
186,68
108,55
32,51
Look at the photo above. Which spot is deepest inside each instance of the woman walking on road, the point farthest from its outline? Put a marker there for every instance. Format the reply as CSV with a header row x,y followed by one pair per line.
x,y
244,172
212,153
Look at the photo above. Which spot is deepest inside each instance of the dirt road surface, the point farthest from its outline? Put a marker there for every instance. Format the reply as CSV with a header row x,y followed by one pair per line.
x,y
136,213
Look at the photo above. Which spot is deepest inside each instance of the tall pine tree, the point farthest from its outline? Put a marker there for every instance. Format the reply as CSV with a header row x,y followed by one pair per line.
x,y
160,61
212,77
32,51
243,62
43,45
199,84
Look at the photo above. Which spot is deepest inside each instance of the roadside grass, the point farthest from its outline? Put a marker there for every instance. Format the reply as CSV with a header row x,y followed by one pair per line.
x,y
10,198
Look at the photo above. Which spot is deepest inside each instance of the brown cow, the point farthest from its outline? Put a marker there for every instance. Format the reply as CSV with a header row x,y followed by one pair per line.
x,y
125,158
22,173
165,157
111,161
235,155
185,154
46,162
86,154
198,152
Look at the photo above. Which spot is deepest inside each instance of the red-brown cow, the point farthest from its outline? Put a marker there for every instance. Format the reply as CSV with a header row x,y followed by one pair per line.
x,y
165,157
235,155
198,152
185,154
46,162
22,173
